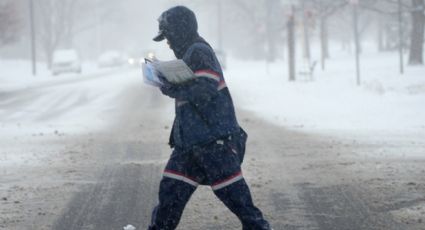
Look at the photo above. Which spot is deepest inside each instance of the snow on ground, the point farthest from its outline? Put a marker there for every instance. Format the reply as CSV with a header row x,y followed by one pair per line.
x,y
385,102
72,100
18,73
33,109
36,112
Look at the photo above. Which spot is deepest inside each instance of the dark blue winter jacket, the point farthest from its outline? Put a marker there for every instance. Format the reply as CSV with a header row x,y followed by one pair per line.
x,y
204,108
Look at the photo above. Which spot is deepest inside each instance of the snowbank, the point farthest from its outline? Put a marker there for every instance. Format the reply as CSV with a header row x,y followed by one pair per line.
x,y
385,101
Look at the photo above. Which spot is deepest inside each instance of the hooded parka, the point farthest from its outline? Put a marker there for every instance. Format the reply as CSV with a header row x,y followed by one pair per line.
x,y
204,108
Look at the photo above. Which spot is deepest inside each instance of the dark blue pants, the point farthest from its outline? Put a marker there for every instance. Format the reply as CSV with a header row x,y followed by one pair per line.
x,y
217,165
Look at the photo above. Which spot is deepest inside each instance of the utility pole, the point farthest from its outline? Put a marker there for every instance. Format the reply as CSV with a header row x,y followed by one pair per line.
x,y
270,36
291,44
306,33
219,25
33,48
97,29
307,53
400,36
355,4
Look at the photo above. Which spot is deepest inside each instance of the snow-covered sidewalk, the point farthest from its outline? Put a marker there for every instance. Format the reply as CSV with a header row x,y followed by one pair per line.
x,y
385,102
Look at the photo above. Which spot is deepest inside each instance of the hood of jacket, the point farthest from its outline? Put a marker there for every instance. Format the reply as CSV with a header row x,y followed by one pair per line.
x,y
180,27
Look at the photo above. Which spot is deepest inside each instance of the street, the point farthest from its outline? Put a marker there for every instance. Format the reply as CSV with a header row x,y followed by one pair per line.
x,y
109,178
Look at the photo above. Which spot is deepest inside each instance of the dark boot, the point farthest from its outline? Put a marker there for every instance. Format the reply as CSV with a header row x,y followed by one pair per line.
x,y
173,196
237,198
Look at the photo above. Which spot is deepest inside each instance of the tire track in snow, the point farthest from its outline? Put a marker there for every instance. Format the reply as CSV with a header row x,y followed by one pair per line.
x,y
125,194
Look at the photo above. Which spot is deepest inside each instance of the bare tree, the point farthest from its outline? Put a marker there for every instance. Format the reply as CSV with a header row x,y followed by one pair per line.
x,y
260,23
55,21
263,20
325,9
386,16
251,14
417,34
417,12
10,22
59,21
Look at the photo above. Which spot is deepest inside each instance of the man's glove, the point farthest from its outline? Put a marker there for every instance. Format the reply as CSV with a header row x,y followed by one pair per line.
x,y
167,87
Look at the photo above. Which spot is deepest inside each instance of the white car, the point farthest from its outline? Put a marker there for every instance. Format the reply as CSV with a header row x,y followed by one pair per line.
x,y
66,61
111,59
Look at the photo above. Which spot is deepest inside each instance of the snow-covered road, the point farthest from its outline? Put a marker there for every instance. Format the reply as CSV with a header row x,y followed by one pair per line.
x,y
86,152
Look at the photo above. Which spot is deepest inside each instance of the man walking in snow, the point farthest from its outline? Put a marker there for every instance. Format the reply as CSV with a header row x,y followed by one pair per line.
x,y
208,142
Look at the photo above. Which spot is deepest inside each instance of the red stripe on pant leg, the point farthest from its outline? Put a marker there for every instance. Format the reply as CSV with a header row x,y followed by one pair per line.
x,y
227,179
179,174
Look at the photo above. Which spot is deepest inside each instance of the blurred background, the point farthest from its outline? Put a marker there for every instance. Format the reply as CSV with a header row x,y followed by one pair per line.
x,y
331,92
257,30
